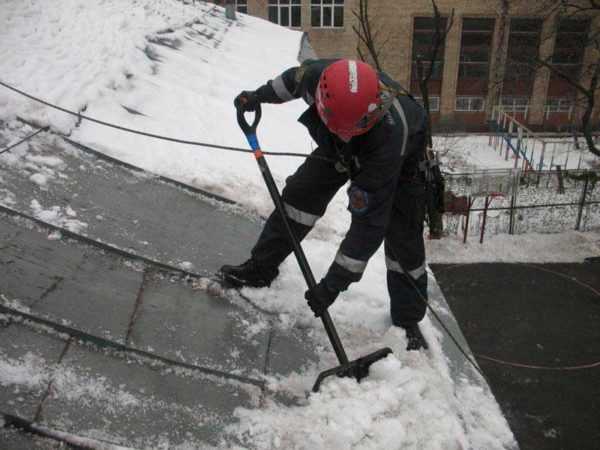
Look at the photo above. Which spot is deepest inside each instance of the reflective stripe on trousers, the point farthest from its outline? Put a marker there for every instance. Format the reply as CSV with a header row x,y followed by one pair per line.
x,y
300,217
350,264
396,267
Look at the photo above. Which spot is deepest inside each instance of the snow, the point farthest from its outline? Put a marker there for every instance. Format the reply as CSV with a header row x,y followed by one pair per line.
x,y
102,65
29,372
39,178
565,247
33,372
468,153
170,68
404,403
59,216
7,197
89,390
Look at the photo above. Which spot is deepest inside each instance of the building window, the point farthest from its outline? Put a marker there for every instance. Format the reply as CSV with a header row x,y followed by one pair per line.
x,y
515,104
241,6
476,44
571,42
558,104
287,13
434,103
423,38
327,13
471,104
523,50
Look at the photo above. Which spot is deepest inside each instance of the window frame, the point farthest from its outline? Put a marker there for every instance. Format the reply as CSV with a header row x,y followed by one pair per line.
x,y
241,6
424,26
320,6
291,5
482,64
470,99
563,105
520,53
516,103
579,33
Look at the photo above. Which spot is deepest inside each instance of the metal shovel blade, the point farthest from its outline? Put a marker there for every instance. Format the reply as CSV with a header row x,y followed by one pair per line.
x,y
358,369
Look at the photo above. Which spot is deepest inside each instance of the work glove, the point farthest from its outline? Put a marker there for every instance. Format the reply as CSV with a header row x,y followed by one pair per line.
x,y
247,101
320,298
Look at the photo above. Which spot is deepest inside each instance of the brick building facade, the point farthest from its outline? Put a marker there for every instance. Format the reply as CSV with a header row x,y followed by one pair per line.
x,y
483,62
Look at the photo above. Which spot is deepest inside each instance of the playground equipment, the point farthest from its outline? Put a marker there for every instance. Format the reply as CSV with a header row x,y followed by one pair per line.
x,y
530,150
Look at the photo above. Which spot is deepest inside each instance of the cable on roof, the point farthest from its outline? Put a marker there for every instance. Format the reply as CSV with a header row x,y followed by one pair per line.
x,y
157,136
24,140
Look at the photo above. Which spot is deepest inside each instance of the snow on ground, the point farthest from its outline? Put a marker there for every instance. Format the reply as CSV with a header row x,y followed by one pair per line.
x,y
572,246
168,68
559,152
462,154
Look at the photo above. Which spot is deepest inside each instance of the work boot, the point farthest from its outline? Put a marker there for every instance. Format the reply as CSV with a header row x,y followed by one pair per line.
x,y
415,339
248,274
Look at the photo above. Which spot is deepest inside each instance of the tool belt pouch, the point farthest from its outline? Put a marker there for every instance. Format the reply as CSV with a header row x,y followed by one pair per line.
x,y
436,185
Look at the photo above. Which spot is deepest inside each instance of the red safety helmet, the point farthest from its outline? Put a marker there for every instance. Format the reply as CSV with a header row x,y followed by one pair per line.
x,y
348,98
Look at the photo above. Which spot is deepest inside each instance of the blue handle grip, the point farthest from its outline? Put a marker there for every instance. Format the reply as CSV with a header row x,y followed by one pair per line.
x,y
253,141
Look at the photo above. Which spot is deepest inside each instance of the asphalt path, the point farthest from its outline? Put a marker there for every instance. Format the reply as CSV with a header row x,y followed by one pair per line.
x,y
534,331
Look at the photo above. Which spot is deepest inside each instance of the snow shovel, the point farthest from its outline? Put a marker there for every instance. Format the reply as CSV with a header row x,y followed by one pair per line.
x,y
358,368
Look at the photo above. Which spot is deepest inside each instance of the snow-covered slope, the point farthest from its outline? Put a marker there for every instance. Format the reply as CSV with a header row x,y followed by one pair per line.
x,y
168,68
102,57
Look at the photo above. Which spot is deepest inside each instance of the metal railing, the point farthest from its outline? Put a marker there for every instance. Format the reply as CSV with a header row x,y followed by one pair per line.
x,y
522,201
530,151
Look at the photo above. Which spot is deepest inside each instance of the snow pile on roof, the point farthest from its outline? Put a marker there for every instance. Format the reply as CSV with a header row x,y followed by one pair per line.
x,y
63,217
407,402
160,66
30,371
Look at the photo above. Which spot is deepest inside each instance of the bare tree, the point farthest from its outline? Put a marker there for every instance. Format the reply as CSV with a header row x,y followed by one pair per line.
x,y
367,39
585,82
425,68
374,45
426,62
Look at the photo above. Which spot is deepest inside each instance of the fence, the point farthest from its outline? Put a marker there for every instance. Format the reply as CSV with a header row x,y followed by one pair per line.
x,y
521,201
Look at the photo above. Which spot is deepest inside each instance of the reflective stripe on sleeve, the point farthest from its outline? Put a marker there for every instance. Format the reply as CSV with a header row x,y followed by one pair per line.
x,y
402,115
308,98
280,89
396,267
350,264
300,217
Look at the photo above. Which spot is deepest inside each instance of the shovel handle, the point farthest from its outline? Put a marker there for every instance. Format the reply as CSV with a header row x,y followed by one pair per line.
x,y
250,132
248,129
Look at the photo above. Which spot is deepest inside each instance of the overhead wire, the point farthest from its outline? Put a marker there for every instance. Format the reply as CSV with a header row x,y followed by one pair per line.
x,y
154,135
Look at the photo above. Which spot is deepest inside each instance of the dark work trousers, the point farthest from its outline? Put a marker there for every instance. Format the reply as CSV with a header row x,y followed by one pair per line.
x,y
309,191
405,254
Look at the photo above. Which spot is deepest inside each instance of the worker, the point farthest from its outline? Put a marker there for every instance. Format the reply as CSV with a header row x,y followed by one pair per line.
x,y
369,132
